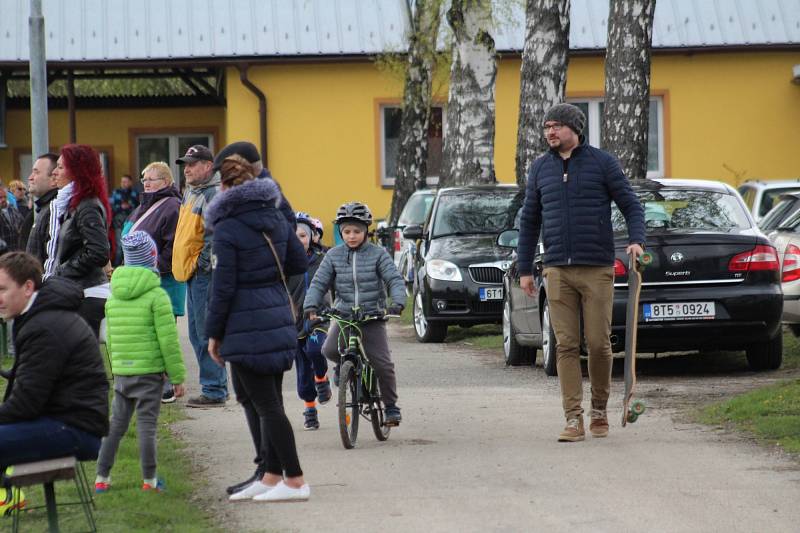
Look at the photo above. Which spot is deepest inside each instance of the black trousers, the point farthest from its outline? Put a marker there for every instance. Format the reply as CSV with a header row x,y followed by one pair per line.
x,y
261,397
93,311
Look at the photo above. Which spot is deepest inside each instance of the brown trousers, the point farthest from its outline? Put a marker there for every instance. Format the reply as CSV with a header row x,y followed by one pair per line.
x,y
570,290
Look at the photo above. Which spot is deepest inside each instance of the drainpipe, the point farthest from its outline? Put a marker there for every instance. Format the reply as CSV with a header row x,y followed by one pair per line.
x,y
262,110
73,130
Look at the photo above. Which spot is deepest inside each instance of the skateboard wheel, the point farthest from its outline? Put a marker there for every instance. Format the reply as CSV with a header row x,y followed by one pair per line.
x,y
646,259
632,417
638,407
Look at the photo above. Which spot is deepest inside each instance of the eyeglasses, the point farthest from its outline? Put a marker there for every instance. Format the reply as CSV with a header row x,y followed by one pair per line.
x,y
554,127
152,180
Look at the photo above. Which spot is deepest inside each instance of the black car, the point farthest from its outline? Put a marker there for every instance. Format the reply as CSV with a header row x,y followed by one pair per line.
x,y
714,282
459,277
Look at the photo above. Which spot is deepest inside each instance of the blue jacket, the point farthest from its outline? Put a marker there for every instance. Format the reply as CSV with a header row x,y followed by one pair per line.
x,y
248,309
573,211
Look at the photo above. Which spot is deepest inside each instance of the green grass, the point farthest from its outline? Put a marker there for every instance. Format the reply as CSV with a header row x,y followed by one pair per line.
x,y
771,413
791,350
125,507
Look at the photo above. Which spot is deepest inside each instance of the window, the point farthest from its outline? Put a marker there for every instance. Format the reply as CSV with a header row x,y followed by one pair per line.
x,y
593,109
390,116
167,148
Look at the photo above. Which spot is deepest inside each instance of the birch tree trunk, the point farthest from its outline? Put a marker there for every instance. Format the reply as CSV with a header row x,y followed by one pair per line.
x,y
412,159
627,102
468,156
543,76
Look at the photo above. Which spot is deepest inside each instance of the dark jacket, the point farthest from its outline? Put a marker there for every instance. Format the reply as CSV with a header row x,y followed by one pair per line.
x,y
298,284
58,371
248,308
160,224
83,245
35,242
573,213
10,222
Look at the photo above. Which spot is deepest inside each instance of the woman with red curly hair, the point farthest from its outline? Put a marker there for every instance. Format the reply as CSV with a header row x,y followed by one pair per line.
x,y
79,246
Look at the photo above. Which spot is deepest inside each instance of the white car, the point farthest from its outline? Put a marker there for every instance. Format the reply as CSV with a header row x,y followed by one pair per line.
x,y
761,196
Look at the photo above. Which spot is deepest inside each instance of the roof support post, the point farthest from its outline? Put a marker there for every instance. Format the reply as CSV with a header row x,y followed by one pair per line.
x,y
262,110
73,128
40,143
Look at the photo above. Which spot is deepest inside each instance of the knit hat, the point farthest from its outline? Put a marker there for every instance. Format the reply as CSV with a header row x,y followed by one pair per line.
x,y
567,114
139,249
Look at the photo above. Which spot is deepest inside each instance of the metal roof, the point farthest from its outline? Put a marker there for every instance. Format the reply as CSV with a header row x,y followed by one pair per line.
x,y
136,30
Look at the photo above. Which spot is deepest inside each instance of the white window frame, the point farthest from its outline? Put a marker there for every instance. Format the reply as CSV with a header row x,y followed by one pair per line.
x,y
177,172
388,181
594,127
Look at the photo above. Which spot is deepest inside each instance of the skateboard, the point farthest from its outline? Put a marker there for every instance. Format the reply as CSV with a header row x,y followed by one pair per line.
x,y
631,410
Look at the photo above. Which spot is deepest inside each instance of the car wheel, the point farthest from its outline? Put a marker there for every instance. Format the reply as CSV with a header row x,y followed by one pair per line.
x,y
426,331
514,353
548,343
766,356
795,329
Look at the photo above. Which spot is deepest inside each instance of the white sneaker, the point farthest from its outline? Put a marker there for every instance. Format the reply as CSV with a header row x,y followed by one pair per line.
x,y
284,493
253,489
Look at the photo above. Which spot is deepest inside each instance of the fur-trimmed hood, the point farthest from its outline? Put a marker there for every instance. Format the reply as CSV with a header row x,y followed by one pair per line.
x,y
252,195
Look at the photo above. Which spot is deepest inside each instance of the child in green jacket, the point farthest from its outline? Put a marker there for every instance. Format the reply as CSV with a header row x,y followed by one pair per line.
x,y
142,341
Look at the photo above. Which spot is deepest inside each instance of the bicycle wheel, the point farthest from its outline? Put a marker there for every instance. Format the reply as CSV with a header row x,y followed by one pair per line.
x,y
348,404
376,413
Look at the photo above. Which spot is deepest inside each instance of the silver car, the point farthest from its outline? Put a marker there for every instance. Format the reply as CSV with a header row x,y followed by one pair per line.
x,y
786,239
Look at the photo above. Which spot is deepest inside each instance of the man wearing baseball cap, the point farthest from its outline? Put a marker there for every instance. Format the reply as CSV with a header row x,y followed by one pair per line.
x,y
568,198
191,262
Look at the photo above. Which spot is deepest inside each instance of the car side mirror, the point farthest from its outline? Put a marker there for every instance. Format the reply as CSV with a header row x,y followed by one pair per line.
x,y
508,239
412,232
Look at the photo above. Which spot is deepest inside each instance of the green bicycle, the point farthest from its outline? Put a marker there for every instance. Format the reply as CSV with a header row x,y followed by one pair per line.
x,y
359,391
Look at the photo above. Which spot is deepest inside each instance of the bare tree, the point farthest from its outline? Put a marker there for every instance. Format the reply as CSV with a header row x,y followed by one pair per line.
x,y
468,156
412,159
543,76
627,102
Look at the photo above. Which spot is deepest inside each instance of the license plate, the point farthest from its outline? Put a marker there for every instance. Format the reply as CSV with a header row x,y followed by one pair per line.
x,y
679,311
490,293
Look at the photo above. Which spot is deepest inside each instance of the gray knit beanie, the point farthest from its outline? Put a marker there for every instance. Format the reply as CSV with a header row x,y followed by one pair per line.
x,y
567,114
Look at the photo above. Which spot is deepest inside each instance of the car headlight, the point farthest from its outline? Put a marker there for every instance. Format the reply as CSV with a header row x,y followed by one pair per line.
x,y
443,270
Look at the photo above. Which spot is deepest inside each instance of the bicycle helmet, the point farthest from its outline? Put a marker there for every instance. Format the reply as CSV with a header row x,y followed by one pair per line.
x,y
304,218
318,227
353,212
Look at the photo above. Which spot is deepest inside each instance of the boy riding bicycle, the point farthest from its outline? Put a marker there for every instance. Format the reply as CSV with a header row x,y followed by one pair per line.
x,y
360,273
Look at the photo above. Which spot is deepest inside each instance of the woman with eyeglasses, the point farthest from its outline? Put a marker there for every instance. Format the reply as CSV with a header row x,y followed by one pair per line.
x,y
20,192
157,215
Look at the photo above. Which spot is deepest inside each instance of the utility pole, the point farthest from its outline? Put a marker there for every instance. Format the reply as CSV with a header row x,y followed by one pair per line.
x,y
38,73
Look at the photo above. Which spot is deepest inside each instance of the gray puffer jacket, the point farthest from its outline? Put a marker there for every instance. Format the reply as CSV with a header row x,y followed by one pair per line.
x,y
359,277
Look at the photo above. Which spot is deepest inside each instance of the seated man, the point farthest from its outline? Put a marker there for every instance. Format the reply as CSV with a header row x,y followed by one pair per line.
x,y
56,401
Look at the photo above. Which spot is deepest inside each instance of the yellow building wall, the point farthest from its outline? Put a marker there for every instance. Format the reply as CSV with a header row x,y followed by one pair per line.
x,y
737,110
106,129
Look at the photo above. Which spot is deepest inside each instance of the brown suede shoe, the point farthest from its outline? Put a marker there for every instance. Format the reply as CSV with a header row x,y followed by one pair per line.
x,y
574,431
598,427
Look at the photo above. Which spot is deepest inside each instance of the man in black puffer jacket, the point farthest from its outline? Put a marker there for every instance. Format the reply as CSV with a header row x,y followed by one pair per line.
x,y
56,402
568,198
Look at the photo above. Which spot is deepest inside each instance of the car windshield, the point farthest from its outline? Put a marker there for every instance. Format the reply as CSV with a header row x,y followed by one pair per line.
x,y
476,212
784,209
790,222
676,210
770,196
416,210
